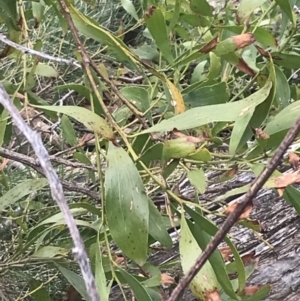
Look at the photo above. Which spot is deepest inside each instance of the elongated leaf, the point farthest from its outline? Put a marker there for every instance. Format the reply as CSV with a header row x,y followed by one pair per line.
x,y
90,28
238,131
207,95
201,7
139,290
215,259
100,277
261,34
283,92
91,120
220,272
205,280
157,228
21,190
203,115
139,97
285,5
127,206
284,119
156,24
38,291
129,7
198,179
68,131
50,251
76,281
247,7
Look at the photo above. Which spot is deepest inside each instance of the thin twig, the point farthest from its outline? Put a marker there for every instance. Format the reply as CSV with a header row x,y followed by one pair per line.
x,y
56,191
233,217
35,164
26,50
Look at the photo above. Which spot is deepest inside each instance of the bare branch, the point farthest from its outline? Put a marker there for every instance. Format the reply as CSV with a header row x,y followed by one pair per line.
x,y
26,50
233,217
35,164
56,192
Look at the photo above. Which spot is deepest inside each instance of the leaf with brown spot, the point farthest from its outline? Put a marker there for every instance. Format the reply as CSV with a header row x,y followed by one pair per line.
x,y
285,180
72,294
243,40
212,296
191,139
233,206
119,259
250,258
251,290
243,66
91,120
166,279
211,45
266,54
259,133
294,160
226,253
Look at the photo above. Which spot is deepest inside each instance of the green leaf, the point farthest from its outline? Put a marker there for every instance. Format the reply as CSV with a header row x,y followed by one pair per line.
x,y
177,148
203,115
129,7
89,28
38,290
239,129
290,61
21,190
284,119
212,229
285,5
214,68
207,95
50,251
283,92
157,228
291,195
76,281
198,179
44,70
201,7
206,279
3,123
127,207
247,7
262,35
139,290
139,97
156,24
68,132
201,154
91,120
261,294
100,277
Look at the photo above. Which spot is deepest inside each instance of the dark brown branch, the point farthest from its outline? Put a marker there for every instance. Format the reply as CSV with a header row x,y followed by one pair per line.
x,y
33,163
233,217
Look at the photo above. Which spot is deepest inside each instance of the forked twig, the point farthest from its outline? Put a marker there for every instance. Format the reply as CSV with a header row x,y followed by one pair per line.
x,y
233,217
56,192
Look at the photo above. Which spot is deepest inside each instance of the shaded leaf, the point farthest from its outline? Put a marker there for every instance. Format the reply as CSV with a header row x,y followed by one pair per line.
x,y
205,281
156,25
139,290
91,120
246,8
127,207
21,190
198,179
